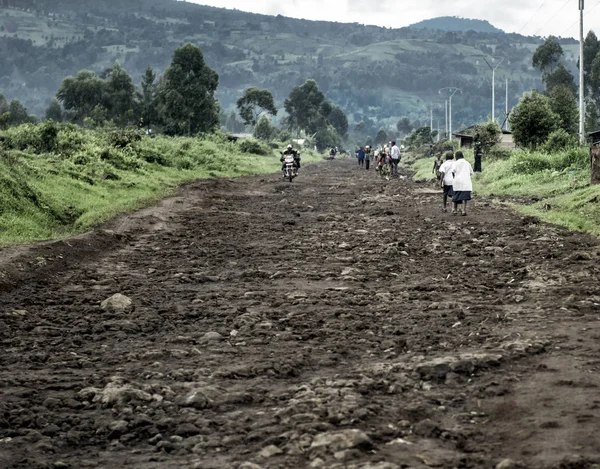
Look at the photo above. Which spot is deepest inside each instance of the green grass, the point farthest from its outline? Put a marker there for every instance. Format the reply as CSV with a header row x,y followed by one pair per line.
x,y
86,180
555,188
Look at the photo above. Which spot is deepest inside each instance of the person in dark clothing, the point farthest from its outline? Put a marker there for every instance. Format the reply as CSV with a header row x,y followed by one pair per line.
x,y
478,150
290,151
360,154
436,167
368,152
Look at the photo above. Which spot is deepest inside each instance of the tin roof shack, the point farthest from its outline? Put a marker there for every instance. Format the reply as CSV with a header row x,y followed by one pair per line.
x,y
466,138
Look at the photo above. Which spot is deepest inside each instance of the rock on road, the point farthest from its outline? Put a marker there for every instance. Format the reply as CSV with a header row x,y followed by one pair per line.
x,y
340,321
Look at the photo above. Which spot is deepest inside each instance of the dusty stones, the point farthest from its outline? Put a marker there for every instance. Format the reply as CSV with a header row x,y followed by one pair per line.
x,y
117,302
333,442
211,337
116,395
438,368
270,451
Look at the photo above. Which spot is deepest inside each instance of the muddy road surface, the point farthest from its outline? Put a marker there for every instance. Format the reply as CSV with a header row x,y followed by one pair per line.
x,y
340,321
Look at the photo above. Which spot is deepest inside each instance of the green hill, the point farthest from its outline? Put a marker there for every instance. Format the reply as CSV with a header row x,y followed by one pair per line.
x,y
454,23
377,75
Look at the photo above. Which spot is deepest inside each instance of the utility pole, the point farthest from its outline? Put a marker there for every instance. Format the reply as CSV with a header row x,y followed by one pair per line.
x,y
446,131
452,92
581,82
431,118
506,112
494,84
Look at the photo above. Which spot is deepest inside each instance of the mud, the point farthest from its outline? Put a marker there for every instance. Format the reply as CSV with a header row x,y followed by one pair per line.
x,y
340,321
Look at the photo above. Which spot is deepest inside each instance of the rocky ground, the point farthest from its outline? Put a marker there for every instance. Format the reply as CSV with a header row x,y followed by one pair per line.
x,y
340,321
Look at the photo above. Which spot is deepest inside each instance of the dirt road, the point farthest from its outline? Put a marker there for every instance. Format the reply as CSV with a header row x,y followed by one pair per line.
x,y
337,322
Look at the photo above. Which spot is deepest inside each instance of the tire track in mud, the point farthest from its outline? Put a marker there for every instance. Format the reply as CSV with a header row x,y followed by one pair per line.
x,y
338,321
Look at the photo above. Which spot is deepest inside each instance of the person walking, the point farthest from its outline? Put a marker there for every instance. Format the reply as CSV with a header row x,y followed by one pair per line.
x,y
368,152
437,164
446,171
462,184
360,154
395,159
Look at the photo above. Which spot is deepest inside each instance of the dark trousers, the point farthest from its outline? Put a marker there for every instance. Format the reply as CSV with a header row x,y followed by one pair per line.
x,y
367,164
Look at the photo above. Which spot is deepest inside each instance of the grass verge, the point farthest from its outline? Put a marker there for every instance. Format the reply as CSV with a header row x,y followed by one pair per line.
x,y
56,184
553,187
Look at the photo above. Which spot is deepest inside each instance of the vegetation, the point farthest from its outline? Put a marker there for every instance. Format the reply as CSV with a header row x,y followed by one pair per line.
x,y
49,39
551,186
60,179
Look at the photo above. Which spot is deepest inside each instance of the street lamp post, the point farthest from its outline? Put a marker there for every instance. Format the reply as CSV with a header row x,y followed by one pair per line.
x,y
452,91
493,69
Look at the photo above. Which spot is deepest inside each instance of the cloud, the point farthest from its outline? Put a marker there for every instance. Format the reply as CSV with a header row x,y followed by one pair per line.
x,y
554,17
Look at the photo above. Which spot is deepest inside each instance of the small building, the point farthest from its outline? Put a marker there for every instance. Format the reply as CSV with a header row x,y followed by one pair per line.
x,y
595,138
466,138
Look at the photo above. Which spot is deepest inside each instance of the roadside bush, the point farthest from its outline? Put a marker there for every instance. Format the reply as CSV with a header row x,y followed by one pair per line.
x,y
124,137
70,139
254,146
499,153
532,162
559,140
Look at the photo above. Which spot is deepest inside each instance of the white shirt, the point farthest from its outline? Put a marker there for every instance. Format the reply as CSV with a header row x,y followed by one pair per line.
x,y
462,175
448,169
395,152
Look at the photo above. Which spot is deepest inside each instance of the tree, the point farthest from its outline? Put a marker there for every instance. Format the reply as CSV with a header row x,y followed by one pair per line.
x,y
54,111
81,93
381,138
188,93
17,113
591,48
564,104
561,77
547,55
120,95
404,126
304,107
360,128
327,137
264,130
489,135
254,102
233,123
149,110
533,120
338,119
3,105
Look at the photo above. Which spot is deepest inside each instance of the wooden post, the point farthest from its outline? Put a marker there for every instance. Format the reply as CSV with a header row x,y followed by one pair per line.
x,y
595,164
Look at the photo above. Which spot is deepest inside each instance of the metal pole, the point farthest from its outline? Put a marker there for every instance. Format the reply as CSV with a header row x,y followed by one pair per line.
x,y
581,80
506,112
494,95
446,131
450,119
431,118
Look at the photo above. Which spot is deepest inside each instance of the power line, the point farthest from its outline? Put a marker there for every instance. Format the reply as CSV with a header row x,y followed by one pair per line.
x,y
534,15
577,21
554,16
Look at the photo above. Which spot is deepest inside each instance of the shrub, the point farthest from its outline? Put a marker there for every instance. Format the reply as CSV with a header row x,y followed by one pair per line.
x,y
559,140
70,139
254,146
499,153
124,137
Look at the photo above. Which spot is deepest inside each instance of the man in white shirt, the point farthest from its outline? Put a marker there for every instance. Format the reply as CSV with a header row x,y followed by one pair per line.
x,y
462,185
395,158
447,178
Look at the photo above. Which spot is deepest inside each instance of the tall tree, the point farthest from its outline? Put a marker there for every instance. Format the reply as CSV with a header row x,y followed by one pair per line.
x,y
254,102
547,55
561,77
304,106
404,126
149,111
81,93
120,94
3,105
338,120
382,137
54,111
564,104
17,113
533,120
188,93
263,129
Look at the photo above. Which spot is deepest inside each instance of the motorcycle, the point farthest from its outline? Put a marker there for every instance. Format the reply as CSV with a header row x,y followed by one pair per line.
x,y
290,171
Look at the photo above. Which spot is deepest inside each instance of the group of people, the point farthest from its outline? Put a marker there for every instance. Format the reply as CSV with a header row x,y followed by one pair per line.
x,y
385,156
454,177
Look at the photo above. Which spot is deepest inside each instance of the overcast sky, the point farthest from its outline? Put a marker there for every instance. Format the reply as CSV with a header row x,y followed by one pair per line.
x,y
541,17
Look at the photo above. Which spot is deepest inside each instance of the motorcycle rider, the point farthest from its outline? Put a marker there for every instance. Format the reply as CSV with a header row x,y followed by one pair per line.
x,y
290,151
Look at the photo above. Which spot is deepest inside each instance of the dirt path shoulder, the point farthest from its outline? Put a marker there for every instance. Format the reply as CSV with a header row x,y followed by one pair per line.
x,y
341,321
